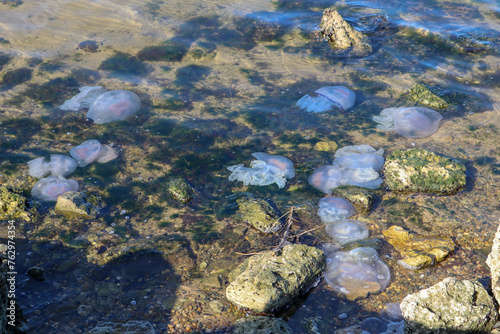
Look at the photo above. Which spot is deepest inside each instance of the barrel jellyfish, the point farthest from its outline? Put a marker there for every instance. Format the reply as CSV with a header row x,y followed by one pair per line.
x,y
92,150
328,98
49,188
412,122
268,169
347,230
357,273
59,165
334,208
115,105
84,99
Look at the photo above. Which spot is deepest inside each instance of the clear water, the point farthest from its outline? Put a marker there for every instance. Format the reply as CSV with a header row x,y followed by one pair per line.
x,y
229,91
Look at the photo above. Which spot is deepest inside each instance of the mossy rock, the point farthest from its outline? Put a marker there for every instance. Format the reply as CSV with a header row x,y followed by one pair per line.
x,y
420,171
425,96
180,190
73,205
361,198
12,205
259,213
261,325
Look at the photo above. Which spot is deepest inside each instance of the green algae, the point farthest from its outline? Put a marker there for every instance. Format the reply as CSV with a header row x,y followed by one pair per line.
x,y
124,63
427,97
169,51
55,91
17,77
180,190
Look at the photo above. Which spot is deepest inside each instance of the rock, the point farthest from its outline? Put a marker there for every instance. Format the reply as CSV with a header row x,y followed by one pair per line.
x,y
130,327
261,325
269,281
418,251
180,190
356,329
493,261
260,214
74,205
361,198
37,273
338,33
12,205
423,95
418,170
451,306
325,146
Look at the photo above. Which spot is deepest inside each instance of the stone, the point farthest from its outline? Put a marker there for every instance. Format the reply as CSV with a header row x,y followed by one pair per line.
x,y
450,306
12,205
338,33
361,198
37,273
270,281
418,251
493,261
423,95
130,327
261,325
180,190
420,171
260,214
325,146
75,204
355,329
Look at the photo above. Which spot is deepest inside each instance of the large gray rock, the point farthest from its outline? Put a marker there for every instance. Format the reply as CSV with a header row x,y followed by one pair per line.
x,y
451,306
418,170
261,325
269,281
493,261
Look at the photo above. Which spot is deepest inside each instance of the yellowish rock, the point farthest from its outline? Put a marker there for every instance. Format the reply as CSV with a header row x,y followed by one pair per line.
x,y
417,250
326,146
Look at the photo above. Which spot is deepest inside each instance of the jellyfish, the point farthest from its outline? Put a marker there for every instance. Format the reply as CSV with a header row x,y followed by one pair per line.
x,y
49,188
115,105
326,178
332,209
59,165
328,98
92,150
412,122
347,230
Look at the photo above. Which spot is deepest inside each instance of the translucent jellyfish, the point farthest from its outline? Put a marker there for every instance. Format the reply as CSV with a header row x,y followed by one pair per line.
x,y
412,122
357,149
362,160
92,150
328,98
115,105
59,165
263,173
332,209
357,273
49,188
347,230
362,177
84,99
326,178
278,161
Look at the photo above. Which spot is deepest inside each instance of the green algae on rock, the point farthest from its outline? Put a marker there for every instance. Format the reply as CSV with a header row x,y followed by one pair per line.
x,y
259,213
12,205
75,204
418,251
423,95
361,198
269,281
420,171
261,325
180,190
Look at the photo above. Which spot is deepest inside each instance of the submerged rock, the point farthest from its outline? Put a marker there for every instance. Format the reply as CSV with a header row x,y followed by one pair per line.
x,y
362,199
261,325
423,95
418,251
37,273
130,327
269,281
12,205
180,190
493,261
418,170
77,205
260,214
451,306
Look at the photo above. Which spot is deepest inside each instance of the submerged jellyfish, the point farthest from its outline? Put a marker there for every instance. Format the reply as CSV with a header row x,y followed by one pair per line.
x,y
357,273
115,105
326,178
357,149
272,169
412,122
84,99
49,188
347,230
328,98
363,160
92,150
334,208
59,165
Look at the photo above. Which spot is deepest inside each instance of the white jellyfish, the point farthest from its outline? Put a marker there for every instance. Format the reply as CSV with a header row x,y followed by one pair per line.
x,y
49,188
412,122
115,105
347,230
332,209
328,98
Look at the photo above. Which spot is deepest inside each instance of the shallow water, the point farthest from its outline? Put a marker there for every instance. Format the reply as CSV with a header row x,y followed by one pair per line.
x,y
229,90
